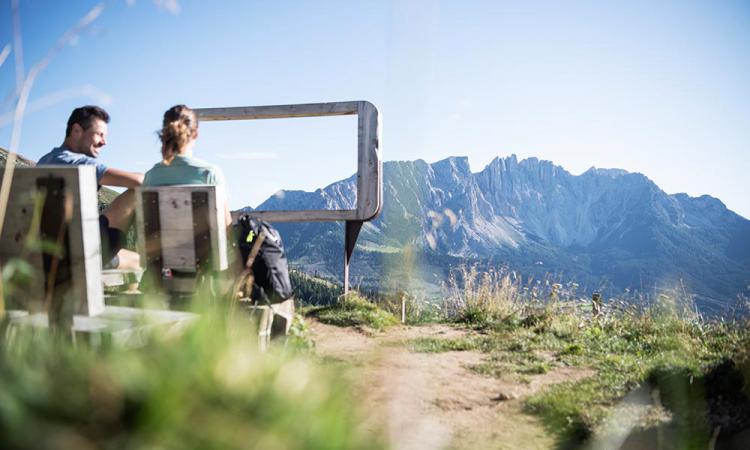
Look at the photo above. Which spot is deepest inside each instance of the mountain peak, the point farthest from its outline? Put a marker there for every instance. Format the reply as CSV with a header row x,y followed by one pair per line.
x,y
457,161
455,166
611,173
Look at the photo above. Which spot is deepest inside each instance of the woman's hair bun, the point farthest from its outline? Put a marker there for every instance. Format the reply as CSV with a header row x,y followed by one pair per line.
x,y
178,129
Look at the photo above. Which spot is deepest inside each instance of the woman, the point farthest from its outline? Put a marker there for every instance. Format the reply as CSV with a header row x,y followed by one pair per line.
x,y
178,166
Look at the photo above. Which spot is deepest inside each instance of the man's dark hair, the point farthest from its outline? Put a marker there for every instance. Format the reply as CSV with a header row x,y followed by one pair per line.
x,y
84,116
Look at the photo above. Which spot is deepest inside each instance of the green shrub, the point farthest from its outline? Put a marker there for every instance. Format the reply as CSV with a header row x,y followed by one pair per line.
x,y
352,310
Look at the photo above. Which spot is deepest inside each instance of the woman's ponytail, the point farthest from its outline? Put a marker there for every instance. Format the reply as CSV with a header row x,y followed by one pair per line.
x,y
179,128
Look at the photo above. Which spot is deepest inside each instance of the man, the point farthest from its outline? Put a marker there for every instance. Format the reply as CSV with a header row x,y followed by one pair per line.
x,y
85,135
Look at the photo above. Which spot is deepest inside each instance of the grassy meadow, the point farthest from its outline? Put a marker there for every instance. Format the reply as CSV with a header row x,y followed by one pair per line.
x,y
695,373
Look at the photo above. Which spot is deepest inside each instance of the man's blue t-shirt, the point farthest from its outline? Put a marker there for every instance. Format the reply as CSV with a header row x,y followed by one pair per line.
x,y
63,156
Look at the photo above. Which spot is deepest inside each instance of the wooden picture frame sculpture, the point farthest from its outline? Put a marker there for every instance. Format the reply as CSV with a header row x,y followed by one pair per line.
x,y
369,163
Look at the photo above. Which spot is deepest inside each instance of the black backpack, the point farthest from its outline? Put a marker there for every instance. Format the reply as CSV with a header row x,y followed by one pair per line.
x,y
270,270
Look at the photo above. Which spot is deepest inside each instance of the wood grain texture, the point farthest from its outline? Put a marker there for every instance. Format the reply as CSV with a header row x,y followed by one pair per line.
x,y
125,326
20,238
177,226
120,277
369,163
278,111
312,215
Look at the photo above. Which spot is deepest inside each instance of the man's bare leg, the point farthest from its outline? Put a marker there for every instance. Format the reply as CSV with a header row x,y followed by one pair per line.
x,y
120,211
120,215
128,260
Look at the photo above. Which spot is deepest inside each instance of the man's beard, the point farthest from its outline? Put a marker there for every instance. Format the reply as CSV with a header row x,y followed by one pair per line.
x,y
92,151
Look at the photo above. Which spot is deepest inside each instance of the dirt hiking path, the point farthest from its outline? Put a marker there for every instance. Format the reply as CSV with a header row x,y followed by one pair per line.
x,y
433,400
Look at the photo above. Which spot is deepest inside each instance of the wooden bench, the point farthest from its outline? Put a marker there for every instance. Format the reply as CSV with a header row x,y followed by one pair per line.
x,y
52,231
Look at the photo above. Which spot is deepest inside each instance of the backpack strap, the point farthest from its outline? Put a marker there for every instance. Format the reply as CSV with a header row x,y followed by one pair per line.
x,y
244,284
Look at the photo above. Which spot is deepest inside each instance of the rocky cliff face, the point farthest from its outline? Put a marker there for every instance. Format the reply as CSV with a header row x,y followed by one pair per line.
x,y
606,227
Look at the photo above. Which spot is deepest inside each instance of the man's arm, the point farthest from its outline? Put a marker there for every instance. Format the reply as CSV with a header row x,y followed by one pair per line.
x,y
115,177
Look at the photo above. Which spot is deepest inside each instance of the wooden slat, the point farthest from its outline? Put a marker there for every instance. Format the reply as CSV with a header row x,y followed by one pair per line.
x,y
201,231
278,111
217,222
120,277
148,230
177,249
123,325
369,163
175,209
182,285
13,244
54,230
312,215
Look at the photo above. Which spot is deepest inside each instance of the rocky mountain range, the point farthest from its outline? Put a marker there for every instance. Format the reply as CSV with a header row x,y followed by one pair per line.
x,y
606,230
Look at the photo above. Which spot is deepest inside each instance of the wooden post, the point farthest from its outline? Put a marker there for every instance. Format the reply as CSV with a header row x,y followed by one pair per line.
x,y
352,231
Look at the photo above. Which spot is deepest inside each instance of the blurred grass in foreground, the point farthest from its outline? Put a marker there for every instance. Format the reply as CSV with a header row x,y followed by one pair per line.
x,y
206,388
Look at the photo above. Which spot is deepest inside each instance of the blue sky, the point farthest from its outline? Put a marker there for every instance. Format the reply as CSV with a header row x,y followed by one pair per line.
x,y
661,88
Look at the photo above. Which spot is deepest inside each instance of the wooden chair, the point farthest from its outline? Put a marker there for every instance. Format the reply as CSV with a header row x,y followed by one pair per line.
x,y
53,206
182,239
51,233
181,235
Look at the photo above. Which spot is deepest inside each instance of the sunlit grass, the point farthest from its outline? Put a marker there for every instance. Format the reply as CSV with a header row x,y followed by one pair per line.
x,y
659,345
353,310
440,345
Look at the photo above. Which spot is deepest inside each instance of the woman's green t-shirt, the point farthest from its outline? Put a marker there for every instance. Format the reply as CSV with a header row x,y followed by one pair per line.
x,y
184,170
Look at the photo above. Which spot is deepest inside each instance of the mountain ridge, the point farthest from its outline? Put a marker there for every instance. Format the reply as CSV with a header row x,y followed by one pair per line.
x,y
610,225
